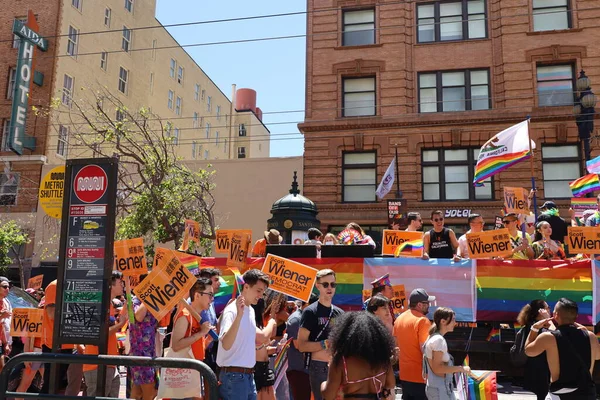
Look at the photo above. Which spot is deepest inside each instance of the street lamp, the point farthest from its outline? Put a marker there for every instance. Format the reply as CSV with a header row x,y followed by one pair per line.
x,y
584,112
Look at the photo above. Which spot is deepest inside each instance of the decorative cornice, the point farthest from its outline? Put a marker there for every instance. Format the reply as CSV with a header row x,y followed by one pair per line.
x,y
556,52
359,66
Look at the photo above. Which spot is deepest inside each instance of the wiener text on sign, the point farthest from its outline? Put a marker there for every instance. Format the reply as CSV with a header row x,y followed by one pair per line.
x,y
224,236
165,286
290,277
130,257
489,244
399,299
26,322
393,239
35,282
238,250
515,200
584,239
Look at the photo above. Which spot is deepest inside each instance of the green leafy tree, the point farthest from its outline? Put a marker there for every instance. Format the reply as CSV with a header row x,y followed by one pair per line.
x,y
12,239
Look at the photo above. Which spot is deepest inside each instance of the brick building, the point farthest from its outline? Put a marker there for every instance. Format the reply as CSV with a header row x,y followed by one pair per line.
x,y
438,79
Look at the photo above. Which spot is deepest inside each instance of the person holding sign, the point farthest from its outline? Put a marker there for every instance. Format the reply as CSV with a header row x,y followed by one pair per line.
x,y
440,242
476,224
544,248
520,245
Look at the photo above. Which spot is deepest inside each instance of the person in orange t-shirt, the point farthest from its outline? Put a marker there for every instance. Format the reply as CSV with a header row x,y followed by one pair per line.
x,y
411,330
272,236
187,330
90,372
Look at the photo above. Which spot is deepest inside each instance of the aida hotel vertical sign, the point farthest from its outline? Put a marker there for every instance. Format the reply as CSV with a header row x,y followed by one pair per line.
x,y
30,40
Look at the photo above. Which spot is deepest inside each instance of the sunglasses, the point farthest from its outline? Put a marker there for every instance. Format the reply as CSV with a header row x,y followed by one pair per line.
x,y
438,220
5,286
210,295
326,285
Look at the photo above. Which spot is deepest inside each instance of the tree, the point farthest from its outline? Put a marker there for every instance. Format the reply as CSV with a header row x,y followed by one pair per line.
x,y
156,192
12,239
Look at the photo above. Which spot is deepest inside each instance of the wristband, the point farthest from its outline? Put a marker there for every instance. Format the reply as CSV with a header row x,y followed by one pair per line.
x,y
324,344
534,329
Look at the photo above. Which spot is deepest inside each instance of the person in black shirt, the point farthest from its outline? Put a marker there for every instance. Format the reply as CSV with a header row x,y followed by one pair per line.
x,y
315,324
550,214
440,242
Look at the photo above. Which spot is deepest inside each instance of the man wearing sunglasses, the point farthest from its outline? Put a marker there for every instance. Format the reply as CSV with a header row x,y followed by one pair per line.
x,y
440,242
315,324
520,246
415,222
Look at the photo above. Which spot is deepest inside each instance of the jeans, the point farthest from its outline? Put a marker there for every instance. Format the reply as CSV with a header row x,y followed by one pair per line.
x,y
237,386
113,382
317,373
413,391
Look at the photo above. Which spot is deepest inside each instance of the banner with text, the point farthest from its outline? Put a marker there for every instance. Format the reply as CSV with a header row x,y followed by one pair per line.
x,y
191,233
35,282
402,243
584,239
290,277
130,257
515,200
488,244
26,322
224,236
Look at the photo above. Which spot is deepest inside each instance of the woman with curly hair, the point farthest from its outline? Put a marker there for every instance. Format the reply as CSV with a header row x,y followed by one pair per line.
x,y
361,366
536,375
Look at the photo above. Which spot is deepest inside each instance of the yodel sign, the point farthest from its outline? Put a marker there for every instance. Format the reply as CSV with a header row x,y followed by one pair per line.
x,y
457,213
290,277
488,244
584,239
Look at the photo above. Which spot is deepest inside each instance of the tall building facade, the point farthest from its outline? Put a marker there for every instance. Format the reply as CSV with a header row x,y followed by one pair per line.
x,y
435,80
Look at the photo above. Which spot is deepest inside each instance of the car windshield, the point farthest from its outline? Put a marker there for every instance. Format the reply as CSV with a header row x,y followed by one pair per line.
x,y
21,299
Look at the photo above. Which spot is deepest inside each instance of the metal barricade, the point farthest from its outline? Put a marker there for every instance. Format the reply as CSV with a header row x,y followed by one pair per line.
x,y
210,380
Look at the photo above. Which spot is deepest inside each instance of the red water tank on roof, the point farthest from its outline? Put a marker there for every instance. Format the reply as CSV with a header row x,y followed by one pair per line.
x,y
258,113
245,99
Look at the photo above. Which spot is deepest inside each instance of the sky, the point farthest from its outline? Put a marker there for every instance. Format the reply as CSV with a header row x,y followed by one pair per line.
x,y
274,68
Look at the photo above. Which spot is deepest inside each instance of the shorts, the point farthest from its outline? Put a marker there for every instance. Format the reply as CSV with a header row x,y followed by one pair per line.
x,y
263,375
143,375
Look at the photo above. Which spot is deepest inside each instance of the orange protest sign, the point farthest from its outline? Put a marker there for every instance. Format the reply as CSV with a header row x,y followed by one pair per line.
x,y
402,243
35,282
399,299
366,293
191,233
26,322
515,200
130,257
224,236
168,283
584,239
290,277
238,250
488,244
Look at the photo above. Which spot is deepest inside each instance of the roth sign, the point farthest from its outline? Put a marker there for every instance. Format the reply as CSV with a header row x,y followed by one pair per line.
x,y
30,39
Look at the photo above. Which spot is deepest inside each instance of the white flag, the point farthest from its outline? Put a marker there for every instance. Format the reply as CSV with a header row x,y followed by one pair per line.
x,y
387,181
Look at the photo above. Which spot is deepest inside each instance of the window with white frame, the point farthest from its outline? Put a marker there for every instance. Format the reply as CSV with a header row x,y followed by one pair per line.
x,y
9,186
126,42
5,128
560,165
123,78
555,85
12,78
63,141
445,91
359,176
195,120
180,75
107,17
550,15
241,152
72,41
217,137
176,136
77,4
170,100
457,20
206,154
67,94
178,106
358,27
218,113
448,175
197,92
129,5
358,96
208,104
16,39
194,149
208,130
103,60
242,130
172,67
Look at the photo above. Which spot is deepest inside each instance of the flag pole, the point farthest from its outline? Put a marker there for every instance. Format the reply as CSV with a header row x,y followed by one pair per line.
x,y
398,192
532,170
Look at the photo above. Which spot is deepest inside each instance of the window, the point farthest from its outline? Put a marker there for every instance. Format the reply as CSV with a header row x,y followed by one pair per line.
x,y
217,137
460,20
206,154
123,76
241,152
197,92
180,75
178,106
63,137
72,41
549,15
12,77
151,82
16,39
9,185
202,94
154,43
119,115
242,130
107,15
208,104
218,113
359,176
555,85
454,91
359,27
67,94
126,42
195,120
170,100
225,146
172,67
560,165
5,128
359,96
103,60
77,4
129,5
194,149
176,136
208,130
448,175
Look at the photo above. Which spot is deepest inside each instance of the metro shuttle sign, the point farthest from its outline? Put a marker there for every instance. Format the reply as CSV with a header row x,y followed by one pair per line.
x,y
17,139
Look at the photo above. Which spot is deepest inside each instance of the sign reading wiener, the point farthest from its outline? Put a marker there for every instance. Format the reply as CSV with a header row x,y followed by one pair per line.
x,y
26,322
168,283
35,282
290,277
402,243
584,239
515,200
488,244
130,258
238,250
223,240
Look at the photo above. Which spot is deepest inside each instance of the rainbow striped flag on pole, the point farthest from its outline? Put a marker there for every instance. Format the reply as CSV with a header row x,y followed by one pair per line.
x,y
585,184
502,151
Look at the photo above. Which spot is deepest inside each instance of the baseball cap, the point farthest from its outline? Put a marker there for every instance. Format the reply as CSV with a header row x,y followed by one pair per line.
x,y
548,205
419,295
4,279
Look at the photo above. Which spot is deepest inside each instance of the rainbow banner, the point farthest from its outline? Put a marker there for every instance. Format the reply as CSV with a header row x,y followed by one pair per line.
x,y
502,151
504,287
450,282
479,385
596,295
190,261
585,184
581,204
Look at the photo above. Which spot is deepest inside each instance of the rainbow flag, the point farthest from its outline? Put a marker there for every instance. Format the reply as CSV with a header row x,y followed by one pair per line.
x,y
190,261
502,151
281,362
506,286
410,247
480,385
494,335
585,184
238,282
581,204
593,166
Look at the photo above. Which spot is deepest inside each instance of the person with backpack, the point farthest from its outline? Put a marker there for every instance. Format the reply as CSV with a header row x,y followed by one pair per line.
x,y
536,374
438,364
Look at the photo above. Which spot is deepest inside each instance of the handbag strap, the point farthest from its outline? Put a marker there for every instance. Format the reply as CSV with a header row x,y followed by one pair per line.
x,y
326,325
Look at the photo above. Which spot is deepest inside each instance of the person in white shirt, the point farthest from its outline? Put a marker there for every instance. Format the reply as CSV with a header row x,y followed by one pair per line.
x,y
476,224
236,355
5,318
